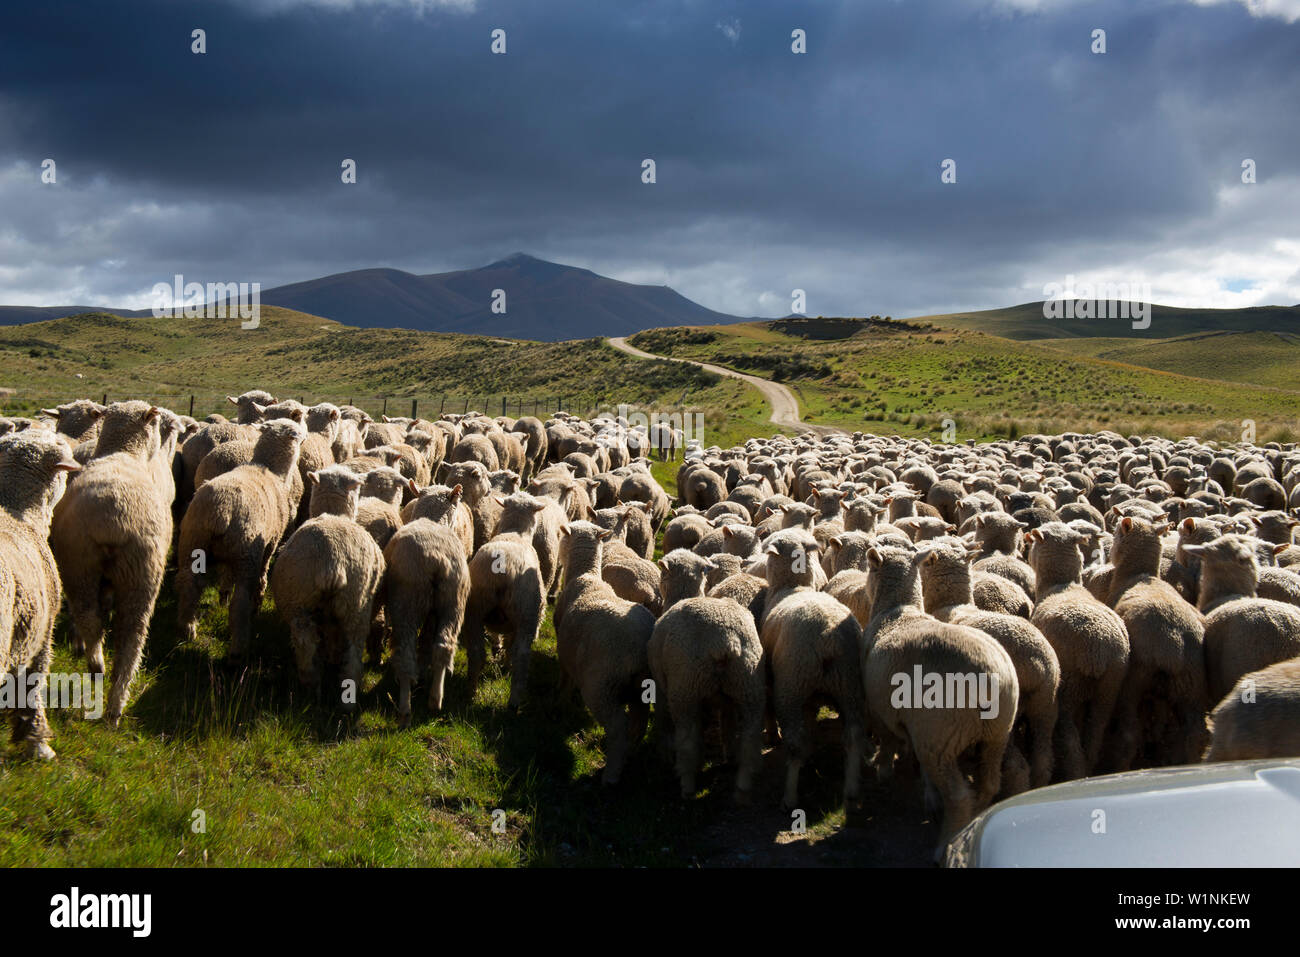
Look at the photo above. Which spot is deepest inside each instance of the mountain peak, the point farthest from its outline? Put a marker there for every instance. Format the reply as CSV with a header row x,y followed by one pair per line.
x,y
516,259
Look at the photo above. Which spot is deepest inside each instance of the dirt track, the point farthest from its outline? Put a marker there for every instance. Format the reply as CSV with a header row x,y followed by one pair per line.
x,y
785,407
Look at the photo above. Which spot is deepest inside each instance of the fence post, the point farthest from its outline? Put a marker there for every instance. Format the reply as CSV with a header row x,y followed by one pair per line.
x,y
466,409
442,405
191,407
413,415
105,402
503,406
385,412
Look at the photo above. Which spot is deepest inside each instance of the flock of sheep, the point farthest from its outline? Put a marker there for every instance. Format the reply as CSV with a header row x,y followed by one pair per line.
x,y
1109,591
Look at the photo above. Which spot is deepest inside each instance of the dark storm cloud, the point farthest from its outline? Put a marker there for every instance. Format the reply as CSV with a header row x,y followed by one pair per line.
x,y
774,170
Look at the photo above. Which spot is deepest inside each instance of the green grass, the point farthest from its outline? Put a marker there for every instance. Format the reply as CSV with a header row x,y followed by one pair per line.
x,y
909,377
282,780
1256,358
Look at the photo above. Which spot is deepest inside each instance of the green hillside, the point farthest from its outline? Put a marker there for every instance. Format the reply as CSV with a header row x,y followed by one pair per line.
x,y
908,377
1026,321
305,357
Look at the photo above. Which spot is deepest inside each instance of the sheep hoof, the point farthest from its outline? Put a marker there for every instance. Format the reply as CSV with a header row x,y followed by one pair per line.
x,y
40,751
404,720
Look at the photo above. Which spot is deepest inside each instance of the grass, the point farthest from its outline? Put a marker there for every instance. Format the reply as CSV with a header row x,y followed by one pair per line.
x,y
281,780
910,377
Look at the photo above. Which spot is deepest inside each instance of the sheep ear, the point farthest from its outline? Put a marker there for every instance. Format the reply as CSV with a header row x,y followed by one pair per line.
x,y
837,541
663,564
1189,524
232,400
52,413
605,534
412,487
296,414
153,413
566,529
355,481
772,550
727,532
313,478
386,418
1279,549
68,466
499,500
1161,529
873,558
1032,535
457,490
334,414
1194,549
1127,524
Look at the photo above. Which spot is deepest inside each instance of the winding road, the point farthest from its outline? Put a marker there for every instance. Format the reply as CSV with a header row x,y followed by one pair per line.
x,y
785,407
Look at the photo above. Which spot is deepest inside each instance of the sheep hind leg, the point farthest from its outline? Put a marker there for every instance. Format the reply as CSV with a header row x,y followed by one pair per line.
x,y
30,726
189,587
612,715
956,795
88,633
242,609
306,640
474,638
405,667
749,746
686,736
794,735
1042,724
528,621
130,629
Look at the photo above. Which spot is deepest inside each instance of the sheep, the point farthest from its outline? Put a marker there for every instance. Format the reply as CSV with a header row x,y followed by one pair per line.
x,y
685,530
426,588
78,420
632,577
601,642
1091,645
377,510
903,643
250,405
1162,702
31,462
946,587
506,593
1243,633
812,644
1260,717
110,536
440,503
705,652
324,582
999,537
476,492
232,528
535,444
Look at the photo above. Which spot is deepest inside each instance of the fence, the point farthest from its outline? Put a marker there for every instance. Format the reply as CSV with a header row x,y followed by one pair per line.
x,y
430,406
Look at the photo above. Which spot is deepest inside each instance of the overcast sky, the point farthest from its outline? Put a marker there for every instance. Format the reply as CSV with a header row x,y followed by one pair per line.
x,y
775,170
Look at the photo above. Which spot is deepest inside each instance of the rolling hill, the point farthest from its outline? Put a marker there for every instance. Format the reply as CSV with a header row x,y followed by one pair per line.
x,y
544,301
1026,321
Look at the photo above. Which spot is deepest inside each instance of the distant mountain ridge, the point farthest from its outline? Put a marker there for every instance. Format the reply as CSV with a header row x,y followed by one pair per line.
x,y
543,301
550,302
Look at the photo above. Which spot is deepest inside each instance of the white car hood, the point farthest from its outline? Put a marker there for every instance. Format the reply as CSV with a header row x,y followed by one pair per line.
x,y
1233,814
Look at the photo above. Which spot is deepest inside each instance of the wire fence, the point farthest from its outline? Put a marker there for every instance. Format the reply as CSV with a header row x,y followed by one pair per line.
x,y
200,405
